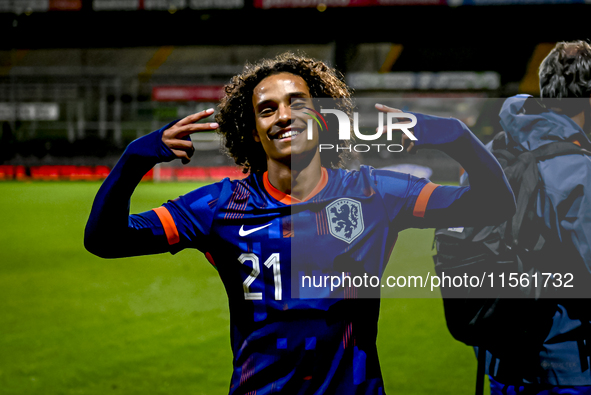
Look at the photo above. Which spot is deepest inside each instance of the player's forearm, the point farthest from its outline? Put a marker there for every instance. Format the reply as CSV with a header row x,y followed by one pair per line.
x,y
109,231
489,197
107,227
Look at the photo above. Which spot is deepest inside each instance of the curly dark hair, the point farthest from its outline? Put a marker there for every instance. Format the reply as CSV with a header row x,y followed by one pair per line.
x,y
566,73
236,113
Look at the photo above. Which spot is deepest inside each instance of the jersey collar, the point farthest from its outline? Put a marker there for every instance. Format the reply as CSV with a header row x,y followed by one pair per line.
x,y
288,199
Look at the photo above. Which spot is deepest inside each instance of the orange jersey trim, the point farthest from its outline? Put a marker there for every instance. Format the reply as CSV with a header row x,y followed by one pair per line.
x,y
288,199
172,233
423,199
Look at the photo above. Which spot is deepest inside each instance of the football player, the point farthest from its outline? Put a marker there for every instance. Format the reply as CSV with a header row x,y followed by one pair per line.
x,y
297,213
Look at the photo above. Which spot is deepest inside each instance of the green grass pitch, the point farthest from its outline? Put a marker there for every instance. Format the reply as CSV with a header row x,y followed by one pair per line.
x,y
72,323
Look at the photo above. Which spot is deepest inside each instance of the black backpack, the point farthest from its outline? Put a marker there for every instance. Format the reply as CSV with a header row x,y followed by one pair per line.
x,y
509,321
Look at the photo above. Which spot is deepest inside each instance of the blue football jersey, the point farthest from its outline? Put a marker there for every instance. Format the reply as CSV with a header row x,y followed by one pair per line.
x,y
287,337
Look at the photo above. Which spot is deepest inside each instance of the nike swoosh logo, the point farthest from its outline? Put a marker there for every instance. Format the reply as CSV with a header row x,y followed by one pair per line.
x,y
243,232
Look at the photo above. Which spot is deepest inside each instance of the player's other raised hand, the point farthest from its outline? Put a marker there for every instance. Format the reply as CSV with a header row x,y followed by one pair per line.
x,y
406,142
176,137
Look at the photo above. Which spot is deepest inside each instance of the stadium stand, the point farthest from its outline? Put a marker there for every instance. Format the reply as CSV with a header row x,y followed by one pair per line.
x,y
66,104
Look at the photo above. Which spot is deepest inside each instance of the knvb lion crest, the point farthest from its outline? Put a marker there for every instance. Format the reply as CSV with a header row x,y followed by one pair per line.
x,y
345,219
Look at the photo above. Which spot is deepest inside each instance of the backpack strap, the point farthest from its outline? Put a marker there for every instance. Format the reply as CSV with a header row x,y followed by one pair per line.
x,y
558,148
528,180
480,370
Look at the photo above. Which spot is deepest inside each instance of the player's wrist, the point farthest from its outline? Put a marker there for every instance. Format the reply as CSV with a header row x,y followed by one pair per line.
x,y
150,148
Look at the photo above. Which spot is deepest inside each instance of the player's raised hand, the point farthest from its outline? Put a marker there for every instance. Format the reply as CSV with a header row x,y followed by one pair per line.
x,y
175,136
406,141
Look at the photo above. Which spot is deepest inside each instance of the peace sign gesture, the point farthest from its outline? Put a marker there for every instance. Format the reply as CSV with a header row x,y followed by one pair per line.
x,y
175,136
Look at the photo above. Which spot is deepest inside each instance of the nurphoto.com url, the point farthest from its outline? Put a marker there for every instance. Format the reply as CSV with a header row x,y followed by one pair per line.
x,y
432,282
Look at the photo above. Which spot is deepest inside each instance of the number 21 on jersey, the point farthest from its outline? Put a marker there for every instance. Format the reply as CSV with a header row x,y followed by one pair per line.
x,y
273,261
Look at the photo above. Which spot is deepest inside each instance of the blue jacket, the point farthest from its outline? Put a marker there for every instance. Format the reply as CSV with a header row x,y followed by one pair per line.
x,y
565,205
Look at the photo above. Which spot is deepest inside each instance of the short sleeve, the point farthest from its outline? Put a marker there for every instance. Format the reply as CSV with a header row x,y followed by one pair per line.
x,y
186,221
405,196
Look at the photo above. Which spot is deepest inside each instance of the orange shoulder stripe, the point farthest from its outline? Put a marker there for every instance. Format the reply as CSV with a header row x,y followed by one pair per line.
x,y
423,199
172,233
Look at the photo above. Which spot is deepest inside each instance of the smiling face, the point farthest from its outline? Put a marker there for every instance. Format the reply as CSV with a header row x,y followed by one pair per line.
x,y
279,102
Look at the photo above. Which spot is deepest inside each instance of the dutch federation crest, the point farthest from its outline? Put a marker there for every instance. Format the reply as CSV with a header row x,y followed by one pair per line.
x,y
345,219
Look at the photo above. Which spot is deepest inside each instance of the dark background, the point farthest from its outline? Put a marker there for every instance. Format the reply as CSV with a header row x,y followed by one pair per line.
x,y
108,101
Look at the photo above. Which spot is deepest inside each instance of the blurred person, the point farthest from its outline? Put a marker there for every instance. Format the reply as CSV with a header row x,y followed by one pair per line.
x,y
564,203
289,211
